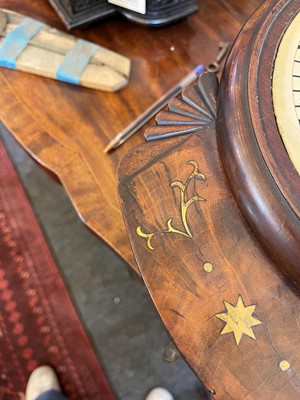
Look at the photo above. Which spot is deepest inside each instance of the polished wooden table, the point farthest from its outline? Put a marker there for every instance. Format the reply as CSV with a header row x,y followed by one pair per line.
x,y
66,128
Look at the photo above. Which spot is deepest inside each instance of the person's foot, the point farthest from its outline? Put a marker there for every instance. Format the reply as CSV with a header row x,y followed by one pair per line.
x,y
159,394
41,380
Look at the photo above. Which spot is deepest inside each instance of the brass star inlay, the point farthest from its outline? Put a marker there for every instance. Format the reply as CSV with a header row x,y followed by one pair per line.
x,y
239,320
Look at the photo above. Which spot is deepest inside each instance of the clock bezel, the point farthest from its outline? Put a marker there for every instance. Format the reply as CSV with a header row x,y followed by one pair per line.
x,y
249,141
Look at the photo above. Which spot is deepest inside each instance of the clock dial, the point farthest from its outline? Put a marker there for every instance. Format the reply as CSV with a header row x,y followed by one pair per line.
x,y
286,91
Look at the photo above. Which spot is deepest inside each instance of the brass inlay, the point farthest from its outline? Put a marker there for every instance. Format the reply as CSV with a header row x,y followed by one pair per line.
x,y
284,365
239,320
184,205
208,267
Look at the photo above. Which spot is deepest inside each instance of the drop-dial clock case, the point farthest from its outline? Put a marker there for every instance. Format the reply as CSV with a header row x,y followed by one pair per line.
x,y
212,208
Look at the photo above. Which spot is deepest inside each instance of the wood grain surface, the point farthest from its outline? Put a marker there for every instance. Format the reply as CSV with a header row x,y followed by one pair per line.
x,y
232,313
66,128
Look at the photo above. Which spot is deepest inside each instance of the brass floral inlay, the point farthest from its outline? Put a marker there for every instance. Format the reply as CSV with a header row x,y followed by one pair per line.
x,y
184,206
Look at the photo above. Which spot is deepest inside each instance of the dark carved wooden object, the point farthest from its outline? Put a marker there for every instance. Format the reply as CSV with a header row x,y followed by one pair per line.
x,y
79,13
203,210
162,12
190,113
75,14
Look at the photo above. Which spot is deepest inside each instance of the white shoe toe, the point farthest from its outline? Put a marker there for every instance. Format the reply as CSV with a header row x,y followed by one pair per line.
x,y
159,394
41,380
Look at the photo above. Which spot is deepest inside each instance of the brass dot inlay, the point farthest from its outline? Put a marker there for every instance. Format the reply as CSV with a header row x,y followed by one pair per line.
x,y
208,267
284,365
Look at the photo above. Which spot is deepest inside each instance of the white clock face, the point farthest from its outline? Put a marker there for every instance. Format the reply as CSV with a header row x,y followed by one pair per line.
x,y
286,91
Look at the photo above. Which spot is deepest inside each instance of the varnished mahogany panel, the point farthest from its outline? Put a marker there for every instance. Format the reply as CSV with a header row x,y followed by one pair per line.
x,y
225,304
66,128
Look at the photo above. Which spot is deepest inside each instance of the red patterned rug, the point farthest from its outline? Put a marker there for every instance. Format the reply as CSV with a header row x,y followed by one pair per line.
x,y
38,323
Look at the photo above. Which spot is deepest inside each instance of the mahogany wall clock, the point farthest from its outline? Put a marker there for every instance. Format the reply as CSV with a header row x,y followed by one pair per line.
x,y
212,210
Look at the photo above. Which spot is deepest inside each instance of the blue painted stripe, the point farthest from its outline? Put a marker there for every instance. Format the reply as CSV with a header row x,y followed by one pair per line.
x,y
75,61
16,41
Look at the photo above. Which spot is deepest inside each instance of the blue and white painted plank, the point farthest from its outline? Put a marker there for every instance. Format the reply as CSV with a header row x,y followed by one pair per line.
x,y
30,46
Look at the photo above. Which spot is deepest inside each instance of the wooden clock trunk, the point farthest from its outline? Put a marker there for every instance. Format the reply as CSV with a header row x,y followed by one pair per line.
x,y
213,215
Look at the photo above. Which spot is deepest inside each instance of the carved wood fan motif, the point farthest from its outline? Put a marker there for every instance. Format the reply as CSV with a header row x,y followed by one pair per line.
x,y
195,109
